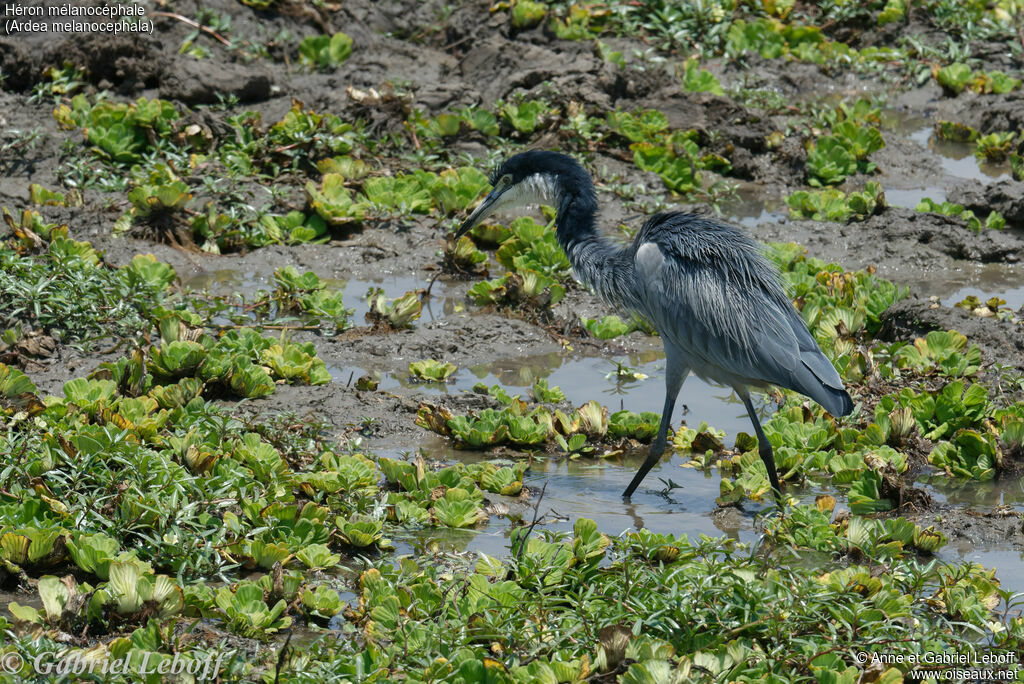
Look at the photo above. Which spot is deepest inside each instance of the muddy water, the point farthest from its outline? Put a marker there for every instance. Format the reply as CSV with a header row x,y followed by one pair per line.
x,y
998,283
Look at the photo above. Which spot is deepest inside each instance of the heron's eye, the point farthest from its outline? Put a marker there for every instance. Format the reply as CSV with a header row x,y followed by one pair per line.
x,y
506,179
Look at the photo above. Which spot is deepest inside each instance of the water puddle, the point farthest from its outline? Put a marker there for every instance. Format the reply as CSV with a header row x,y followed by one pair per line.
x,y
909,198
435,307
752,208
1005,561
1006,491
591,487
583,378
1003,283
958,160
226,282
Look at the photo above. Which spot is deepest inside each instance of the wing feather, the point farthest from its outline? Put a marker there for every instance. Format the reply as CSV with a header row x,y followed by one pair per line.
x,y
710,291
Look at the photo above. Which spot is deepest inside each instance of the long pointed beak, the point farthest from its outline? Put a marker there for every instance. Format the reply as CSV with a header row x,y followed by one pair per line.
x,y
479,214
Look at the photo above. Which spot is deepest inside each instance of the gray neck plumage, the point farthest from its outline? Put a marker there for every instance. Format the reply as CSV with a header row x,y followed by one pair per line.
x,y
596,261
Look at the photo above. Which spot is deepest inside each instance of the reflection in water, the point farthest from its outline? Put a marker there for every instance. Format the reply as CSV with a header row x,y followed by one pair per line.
x,y
586,378
751,208
958,160
228,281
221,279
909,199
435,307
1006,561
1005,491
1003,283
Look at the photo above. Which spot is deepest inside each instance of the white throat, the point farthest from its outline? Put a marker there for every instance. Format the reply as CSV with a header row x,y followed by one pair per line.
x,y
531,191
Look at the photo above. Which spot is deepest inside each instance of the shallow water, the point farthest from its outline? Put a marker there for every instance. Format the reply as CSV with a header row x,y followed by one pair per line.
x,y
958,160
1003,283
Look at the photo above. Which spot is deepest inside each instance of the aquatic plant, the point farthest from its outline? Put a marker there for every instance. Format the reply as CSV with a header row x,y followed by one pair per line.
x,y
464,256
431,370
333,202
607,327
361,532
581,22
994,220
995,147
697,80
834,157
955,132
527,13
639,126
399,313
245,613
1017,166
675,163
455,190
957,77
322,602
324,52
829,162
118,133
540,390
947,352
834,205
525,116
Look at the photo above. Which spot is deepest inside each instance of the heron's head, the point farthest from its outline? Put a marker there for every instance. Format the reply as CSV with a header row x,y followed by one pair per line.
x,y
530,178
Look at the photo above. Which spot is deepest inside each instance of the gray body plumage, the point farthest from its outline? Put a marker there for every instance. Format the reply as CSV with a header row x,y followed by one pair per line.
x,y
706,287
716,301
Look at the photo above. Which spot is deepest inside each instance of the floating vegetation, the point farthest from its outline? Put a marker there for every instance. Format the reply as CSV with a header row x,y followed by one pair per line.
x,y
957,77
431,370
831,158
994,220
397,314
519,426
834,205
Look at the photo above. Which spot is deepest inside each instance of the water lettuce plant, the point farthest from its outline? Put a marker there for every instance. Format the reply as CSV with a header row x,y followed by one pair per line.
x,y
945,351
333,202
957,77
464,256
310,296
431,370
325,52
525,116
831,158
955,132
831,204
697,80
520,426
118,133
994,220
397,314
247,614
608,327
996,147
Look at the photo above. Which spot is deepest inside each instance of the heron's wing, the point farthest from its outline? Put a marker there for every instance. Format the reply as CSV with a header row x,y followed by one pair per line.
x,y
721,304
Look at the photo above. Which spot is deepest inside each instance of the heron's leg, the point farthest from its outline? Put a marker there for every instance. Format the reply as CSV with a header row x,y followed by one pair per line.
x,y
675,373
764,447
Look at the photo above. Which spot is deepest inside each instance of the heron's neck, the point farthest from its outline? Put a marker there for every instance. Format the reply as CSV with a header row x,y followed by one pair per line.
x,y
596,260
